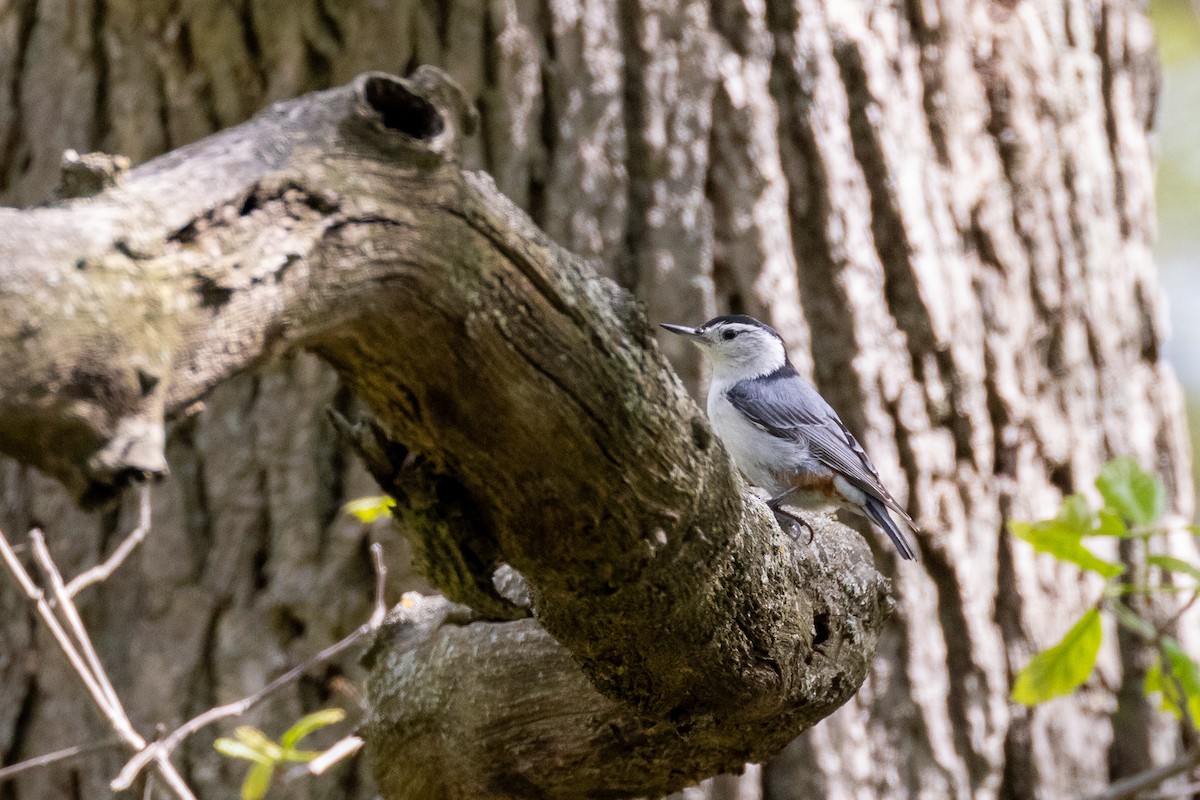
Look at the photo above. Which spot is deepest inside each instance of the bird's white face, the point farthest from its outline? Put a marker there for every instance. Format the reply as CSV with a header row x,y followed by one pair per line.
x,y
737,350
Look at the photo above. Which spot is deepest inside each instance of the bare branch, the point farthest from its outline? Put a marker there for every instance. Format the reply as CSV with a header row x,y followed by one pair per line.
x,y
167,745
102,571
86,666
66,607
380,580
1184,792
58,756
67,645
1127,788
340,751
1133,785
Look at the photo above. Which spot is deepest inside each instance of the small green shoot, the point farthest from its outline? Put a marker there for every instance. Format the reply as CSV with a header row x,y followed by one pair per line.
x,y
1137,496
1134,503
1062,537
251,744
1064,667
1178,685
369,509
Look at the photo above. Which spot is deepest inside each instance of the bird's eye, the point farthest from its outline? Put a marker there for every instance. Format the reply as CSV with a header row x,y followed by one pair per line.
x,y
729,334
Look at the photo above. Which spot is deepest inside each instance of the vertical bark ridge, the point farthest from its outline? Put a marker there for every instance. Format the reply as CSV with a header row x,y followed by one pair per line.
x,y
16,30
843,291
927,295
754,267
670,73
513,99
912,234
588,176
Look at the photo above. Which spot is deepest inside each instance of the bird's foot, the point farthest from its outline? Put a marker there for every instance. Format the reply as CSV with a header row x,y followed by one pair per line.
x,y
795,523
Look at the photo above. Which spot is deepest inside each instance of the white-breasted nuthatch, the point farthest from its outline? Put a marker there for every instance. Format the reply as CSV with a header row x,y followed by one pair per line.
x,y
781,433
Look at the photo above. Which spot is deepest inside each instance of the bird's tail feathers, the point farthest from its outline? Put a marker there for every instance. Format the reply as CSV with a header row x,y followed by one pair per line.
x,y
878,514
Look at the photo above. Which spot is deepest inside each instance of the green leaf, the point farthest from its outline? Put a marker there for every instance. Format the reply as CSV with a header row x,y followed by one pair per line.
x,y
1156,683
1136,495
1109,524
236,749
307,724
1174,564
369,509
1061,540
257,740
1064,667
257,781
1076,515
1184,675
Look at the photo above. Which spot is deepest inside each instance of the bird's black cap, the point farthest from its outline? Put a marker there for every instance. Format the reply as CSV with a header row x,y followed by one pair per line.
x,y
741,319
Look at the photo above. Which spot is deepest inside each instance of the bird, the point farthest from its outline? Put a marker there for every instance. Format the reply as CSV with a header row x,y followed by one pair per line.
x,y
781,432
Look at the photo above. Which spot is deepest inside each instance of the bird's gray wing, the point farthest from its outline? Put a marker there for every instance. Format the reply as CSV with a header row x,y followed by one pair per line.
x,y
790,408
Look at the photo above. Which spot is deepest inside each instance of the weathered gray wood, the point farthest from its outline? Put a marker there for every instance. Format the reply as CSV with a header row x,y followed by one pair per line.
x,y
342,223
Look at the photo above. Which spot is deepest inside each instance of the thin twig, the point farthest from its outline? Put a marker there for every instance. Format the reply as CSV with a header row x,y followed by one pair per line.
x,y
103,570
64,642
1183,607
92,674
340,751
58,756
67,608
380,579
1188,790
1134,784
1127,788
164,747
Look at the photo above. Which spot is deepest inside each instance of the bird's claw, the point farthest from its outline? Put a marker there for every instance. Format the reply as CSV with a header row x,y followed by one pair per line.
x,y
795,522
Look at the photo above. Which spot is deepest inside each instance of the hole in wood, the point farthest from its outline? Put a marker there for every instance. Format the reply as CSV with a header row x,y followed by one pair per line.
x,y
820,630
401,110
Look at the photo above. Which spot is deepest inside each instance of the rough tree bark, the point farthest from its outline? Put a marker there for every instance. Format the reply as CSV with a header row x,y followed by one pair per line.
x,y
945,206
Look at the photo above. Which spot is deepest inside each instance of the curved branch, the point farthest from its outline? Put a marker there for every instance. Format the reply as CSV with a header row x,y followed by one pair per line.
x,y
340,222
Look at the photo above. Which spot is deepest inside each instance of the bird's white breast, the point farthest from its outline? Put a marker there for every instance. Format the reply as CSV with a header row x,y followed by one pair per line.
x,y
765,459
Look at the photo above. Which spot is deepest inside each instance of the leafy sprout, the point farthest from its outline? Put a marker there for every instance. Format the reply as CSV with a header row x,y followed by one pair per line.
x,y
265,756
369,509
1134,503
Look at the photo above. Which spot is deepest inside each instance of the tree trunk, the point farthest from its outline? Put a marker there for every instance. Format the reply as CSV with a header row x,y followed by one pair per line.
x,y
946,208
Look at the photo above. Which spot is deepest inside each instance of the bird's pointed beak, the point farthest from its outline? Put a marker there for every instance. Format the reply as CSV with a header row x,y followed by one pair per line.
x,y
682,330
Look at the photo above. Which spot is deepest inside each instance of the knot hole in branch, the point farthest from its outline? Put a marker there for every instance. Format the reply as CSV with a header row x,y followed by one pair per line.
x,y
402,110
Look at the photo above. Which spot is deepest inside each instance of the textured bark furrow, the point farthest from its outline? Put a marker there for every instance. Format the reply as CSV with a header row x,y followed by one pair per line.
x,y
843,293
796,55
746,185
1056,218
99,59
587,185
670,74
17,31
932,303
513,98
